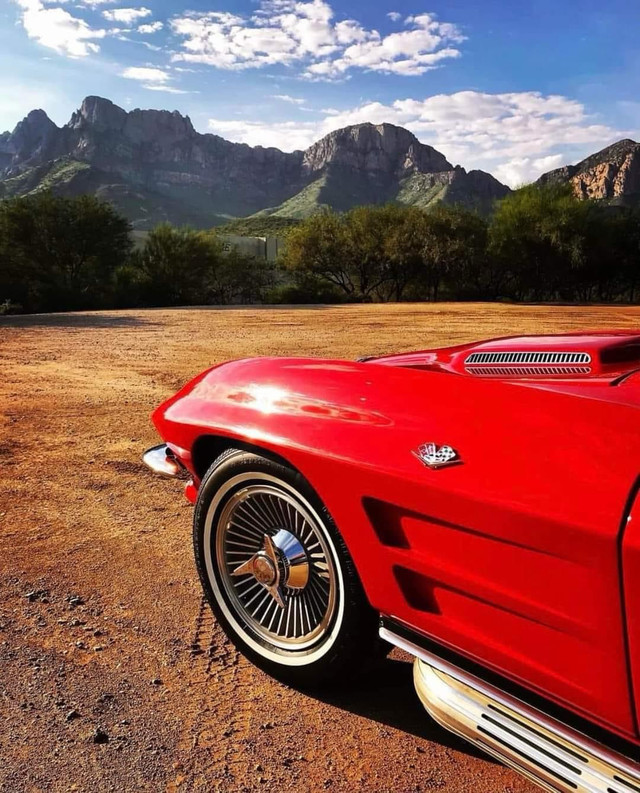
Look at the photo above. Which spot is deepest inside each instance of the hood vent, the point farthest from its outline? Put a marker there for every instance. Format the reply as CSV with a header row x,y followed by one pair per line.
x,y
523,364
546,358
515,371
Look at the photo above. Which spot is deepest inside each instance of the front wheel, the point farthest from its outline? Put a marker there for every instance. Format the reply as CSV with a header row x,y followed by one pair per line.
x,y
277,573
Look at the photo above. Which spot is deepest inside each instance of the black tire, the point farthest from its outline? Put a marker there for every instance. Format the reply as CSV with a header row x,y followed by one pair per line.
x,y
349,637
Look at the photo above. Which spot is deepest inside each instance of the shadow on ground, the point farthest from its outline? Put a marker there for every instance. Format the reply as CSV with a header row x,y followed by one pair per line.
x,y
386,694
71,321
116,320
255,307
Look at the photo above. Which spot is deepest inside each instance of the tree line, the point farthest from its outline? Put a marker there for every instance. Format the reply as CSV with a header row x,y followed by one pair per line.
x,y
66,254
540,244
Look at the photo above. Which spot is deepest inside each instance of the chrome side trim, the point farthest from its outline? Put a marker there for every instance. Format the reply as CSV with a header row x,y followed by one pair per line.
x,y
161,460
551,754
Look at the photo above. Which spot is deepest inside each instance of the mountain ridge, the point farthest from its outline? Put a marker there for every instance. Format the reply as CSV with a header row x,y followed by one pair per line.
x,y
155,166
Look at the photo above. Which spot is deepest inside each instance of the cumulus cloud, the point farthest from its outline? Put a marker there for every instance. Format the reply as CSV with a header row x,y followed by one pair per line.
x,y
305,32
515,136
59,30
126,15
394,16
151,27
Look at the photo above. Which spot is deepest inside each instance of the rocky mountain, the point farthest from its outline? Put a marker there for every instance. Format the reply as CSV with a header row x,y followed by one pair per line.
x,y
612,174
154,166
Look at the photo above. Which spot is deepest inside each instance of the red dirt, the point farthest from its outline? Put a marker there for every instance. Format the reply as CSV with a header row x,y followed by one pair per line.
x,y
102,624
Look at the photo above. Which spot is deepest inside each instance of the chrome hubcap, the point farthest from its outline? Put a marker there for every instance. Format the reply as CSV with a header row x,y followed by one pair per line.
x,y
262,567
275,566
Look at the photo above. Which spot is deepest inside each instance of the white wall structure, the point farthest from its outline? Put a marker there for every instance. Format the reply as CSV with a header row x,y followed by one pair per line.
x,y
267,248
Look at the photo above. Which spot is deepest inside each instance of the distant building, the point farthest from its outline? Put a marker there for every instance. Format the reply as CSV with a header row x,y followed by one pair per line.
x,y
268,248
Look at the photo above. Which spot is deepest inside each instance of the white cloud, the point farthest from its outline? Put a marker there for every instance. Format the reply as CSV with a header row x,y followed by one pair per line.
x,y
521,170
146,74
168,89
515,136
151,27
59,30
394,16
146,44
292,100
410,52
304,32
126,15
153,79
285,135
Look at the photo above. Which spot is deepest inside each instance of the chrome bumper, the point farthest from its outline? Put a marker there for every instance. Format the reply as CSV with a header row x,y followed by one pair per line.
x,y
161,460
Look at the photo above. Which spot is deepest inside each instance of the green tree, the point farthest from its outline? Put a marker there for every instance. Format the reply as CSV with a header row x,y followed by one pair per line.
x,y
175,266
60,253
319,248
383,252
542,241
367,252
238,278
630,268
404,249
453,250
179,266
619,268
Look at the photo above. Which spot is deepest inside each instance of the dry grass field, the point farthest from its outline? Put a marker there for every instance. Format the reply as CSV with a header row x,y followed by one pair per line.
x,y
113,675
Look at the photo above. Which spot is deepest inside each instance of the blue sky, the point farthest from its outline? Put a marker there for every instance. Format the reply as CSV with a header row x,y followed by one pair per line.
x,y
513,87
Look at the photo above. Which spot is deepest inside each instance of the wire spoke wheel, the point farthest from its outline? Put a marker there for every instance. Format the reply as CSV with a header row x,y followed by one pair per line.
x,y
275,565
278,574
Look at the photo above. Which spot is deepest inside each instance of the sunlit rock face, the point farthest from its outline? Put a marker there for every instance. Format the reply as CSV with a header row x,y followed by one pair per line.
x,y
374,148
612,174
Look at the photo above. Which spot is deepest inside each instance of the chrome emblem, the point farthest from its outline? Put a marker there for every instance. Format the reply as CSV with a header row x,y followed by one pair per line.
x,y
264,570
434,456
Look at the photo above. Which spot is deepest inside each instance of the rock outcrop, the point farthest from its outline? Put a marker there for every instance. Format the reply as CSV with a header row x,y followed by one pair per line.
x,y
612,174
374,148
151,161
33,138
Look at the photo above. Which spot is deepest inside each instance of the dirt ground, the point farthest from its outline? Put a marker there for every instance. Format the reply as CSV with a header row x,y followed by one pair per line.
x,y
113,674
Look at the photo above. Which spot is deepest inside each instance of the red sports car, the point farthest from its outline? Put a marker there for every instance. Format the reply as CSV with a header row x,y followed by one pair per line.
x,y
476,506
